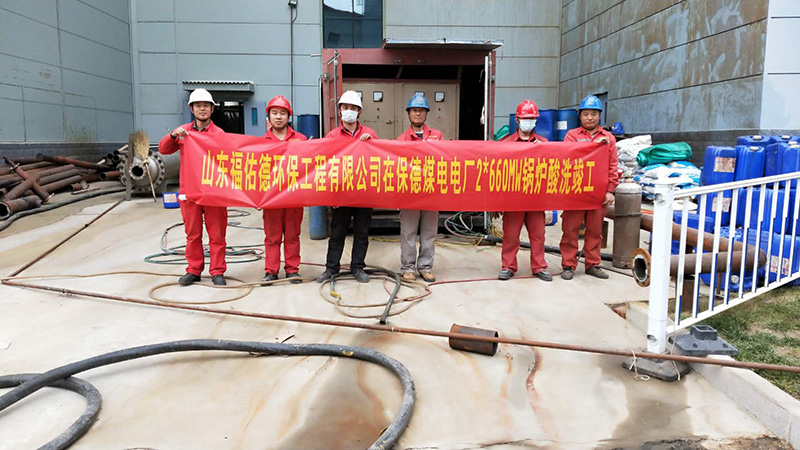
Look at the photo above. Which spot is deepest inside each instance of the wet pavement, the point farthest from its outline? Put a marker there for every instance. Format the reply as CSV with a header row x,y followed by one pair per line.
x,y
520,398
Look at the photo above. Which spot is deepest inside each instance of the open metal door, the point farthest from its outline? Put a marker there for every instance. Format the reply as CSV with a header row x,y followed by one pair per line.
x,y
331,90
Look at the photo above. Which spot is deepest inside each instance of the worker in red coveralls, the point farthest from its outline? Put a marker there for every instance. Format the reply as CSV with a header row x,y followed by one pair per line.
x,y
281,224
589,131
216,217
411,221
527,113
351,128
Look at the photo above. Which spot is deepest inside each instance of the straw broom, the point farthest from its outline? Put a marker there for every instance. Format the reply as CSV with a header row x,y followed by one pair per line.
x,y
141,150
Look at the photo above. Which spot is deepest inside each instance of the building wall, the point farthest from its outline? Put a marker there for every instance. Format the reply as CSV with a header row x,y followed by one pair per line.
x,y
65,72
780,95
528,61
673,68
248,40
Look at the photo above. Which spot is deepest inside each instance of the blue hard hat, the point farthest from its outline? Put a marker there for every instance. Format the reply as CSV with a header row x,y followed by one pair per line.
x,y
591,102
418,101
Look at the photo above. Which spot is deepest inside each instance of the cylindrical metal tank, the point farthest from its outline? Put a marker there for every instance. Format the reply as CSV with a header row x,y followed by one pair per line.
x,y
627,222
308,125
567,120
546,124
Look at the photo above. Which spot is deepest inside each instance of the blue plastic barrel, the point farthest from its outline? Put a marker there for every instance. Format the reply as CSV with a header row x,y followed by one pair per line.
x,y
567,120
778,261
546,124
785,138
721,279
512,124
749,162
719,166
756,140
773,158
776,216
724,206
308,125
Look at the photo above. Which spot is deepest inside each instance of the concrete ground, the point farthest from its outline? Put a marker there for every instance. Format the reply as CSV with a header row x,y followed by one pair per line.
x,y
520,398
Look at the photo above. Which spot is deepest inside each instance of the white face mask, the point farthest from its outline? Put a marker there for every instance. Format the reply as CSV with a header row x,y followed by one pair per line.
x,y
350,116
527,125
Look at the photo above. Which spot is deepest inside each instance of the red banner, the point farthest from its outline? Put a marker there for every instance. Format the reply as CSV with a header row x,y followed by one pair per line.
x,y
236,170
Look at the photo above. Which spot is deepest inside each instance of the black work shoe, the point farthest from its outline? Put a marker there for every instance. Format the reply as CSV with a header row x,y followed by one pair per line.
x,y
597,273
543,275
218,280
325,276
294,275
567,274
505,274
188,279
361,276
269,277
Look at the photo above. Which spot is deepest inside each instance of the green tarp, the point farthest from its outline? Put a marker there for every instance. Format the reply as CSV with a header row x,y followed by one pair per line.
x,y
664,153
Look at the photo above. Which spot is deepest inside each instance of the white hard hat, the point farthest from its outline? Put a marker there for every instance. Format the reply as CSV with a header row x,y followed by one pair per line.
x,y
200,95
351,98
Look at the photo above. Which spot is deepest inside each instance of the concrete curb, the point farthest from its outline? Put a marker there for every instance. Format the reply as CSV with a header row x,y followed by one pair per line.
x,y
777,410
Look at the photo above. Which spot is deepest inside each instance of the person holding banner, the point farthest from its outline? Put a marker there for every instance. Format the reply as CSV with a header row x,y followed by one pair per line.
x,y
282,224
534,221
350,128
216,217
411,221
589,131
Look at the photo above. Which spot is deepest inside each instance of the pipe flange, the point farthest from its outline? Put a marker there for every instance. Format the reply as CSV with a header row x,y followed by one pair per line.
x,y
640,266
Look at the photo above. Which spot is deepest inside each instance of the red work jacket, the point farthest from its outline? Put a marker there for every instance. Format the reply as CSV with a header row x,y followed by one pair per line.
x,y
516,138
291,135
169,144
581,135
428,134
341,132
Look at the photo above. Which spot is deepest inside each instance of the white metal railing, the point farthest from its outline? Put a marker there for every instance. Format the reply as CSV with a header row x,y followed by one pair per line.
x,y
761,227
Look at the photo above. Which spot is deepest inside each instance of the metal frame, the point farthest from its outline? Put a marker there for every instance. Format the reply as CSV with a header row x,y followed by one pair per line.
x,y
659,325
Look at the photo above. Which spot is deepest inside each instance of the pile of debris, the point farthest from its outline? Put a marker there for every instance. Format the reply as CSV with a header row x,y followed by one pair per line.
x,y
28,182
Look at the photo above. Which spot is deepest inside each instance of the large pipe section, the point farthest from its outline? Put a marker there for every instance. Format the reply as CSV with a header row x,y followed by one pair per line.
x,y
37,189
627,216
9,207
75,162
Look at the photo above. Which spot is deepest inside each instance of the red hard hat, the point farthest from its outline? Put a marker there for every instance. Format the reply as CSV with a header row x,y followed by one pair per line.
x,y
527,110
280,102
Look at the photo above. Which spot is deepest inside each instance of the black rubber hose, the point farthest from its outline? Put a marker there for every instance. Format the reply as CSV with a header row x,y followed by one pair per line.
x,y
78,428
386,440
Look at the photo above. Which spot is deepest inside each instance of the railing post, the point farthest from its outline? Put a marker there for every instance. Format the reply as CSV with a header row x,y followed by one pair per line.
x,y
659,267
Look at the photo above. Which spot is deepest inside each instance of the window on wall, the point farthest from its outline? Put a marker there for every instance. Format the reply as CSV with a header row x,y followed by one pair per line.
x,y
352,23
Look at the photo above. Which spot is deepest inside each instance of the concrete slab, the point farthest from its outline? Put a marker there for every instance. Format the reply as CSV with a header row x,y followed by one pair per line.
x,y
520,398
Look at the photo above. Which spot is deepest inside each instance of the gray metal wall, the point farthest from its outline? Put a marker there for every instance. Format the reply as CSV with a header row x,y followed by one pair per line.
x,y
65,72
669,66
527,63
781,95
246,40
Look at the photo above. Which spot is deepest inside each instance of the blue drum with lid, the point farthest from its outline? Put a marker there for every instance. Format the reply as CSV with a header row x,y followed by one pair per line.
x,y
567,120
546,124
756,140
749,162
719,165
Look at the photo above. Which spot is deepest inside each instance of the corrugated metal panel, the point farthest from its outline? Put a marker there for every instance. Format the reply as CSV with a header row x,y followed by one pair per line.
x,y
442,44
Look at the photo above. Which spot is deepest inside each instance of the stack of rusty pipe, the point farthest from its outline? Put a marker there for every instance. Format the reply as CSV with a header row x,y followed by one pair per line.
x,y
740,254
26,183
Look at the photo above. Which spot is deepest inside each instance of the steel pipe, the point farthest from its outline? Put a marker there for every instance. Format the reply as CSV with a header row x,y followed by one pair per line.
x,y
61,184
14,179
107,176
19,189
641,263
9,207
37,189
78,163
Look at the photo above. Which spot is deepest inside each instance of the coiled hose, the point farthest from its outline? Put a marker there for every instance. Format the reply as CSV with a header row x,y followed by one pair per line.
x,y
60,377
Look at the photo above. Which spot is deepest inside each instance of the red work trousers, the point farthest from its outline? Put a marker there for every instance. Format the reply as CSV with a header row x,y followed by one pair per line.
x,y
216,219
592,237
282,225
512,226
